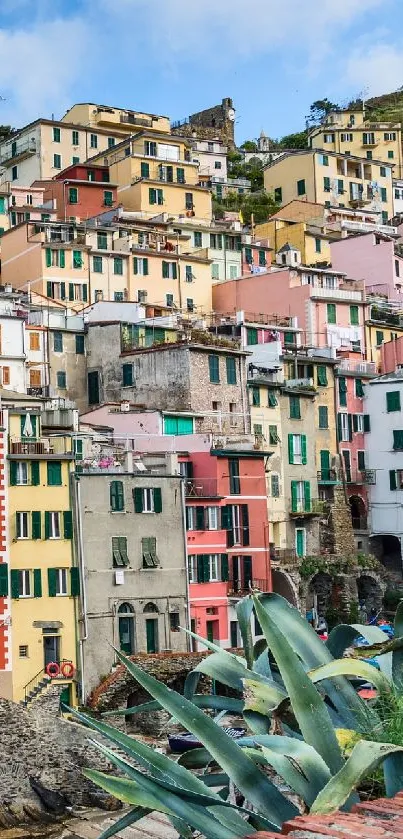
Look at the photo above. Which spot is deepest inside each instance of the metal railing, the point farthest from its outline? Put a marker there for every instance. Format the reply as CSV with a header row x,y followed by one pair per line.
x,y
201,488
36,680
243,586
45,446
328,476
303,507
16,149
284,556
366,367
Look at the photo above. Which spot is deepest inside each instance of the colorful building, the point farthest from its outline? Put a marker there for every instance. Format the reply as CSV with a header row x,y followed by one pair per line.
x,y
383,325
6,661
121,121
372,258
80,192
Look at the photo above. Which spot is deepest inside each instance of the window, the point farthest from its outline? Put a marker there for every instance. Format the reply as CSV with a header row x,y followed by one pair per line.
x,y
19,473
324,159
150,148
354,316
190,518
368,138
149,552
322,375
342,392
79,344
248,255
214,568
77,259
396,479
197,239
192,568
318,245
300,541
102,241
271,399
297,451
275,485
119,551
144,169
398,440
118,265
169,270
216,241
56,135
147,500
93,141
52,525
231,370
369,155
24,584
14,173
346,138
189,276
391,155
393,401
384,194
93,387
116,496
34,341
323,419
108,198
6,375
58,341
383,171
155,196
328,138
118,296
215,271
278,195
74,160
78,449
331,313
54,473
74,138
57,161
344,427
189,201
22,527
300,496
361,461
169,299
301,187
61,582
359,389
140,266
255,391
358,423
23,651
212,518
73,195
389,135
234,479
326,183
379,337
127,375
180,175
61,379
111,142
295,407
214,368
273,436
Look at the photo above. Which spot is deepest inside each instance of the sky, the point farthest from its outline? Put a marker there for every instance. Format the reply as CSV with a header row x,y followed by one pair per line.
x,y
175,57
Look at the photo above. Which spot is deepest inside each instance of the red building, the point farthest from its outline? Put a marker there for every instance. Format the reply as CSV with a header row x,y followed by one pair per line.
x,y
80,191
256,257
227,536
5,640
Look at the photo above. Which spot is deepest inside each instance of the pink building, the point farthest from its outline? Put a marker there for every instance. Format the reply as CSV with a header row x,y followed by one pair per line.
x,y
328,307
391,355
371,258
256,257
27,203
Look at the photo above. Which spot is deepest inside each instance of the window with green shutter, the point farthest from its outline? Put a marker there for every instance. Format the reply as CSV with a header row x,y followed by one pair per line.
x,y
359,389
262,258
36,524
77,259
54,473
295,407
79,344
127,375
318,245
251,335
323,419
354,316
248,255
367,423
231,370
384,194
342,391
379,337
152,195
361,461
73,195
301,189
119,551
61,380
78,449
331,313
37,582
392,479
2,204
393,401
102,241
180,175
93,387
118,265
214,368
197,239
234,479
255,391
57,161
326,183
145,169
117,499
322,375
272,399
398,439
108,198
273,435
67,524
74,582
4,579
56,134
74,138
58,342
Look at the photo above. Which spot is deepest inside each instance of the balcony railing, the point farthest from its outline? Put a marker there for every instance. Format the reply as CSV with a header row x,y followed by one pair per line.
x,y
41,447
305,507
361,476
201,488
43,390
328,476
243,586
133,119
366,367
18,150
284,556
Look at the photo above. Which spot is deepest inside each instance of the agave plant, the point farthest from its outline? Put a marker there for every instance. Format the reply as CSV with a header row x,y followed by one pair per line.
x,y
309,687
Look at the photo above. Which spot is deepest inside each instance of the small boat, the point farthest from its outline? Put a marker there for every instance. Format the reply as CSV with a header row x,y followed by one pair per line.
x,y
179,743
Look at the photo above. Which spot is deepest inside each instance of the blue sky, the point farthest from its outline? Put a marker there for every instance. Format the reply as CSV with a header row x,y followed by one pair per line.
x,y
273,57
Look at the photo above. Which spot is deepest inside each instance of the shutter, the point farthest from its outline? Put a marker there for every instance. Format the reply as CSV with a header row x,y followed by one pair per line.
x,y
36,524
174,271
48,257
13,473
206,568
350,427
367,423
74,582
224,568
85,295
307,496
294,497
15,585
165,269
71,291
4,579
157,500
355,422
225,518
138,499
291,448
245,524
145,266
35,473
303,449
52,578
247,571
68,524
200,568
37,582
62,261
62,291
339,427
48,289
392,481
200,518
135,265
47,524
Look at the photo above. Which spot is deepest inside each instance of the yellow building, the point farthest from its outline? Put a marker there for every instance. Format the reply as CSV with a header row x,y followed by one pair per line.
x,y
44,582
310,240
155,174
115,120
384,323
348,132
332,179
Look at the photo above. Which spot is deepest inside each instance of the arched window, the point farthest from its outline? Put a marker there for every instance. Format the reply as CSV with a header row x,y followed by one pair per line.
x,y
126,628
125,607
150,607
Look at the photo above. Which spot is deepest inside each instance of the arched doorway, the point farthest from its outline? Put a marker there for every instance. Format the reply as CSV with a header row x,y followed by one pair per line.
x,y
387,549
369,595
319,596
282,585
126,628
151,628
358,513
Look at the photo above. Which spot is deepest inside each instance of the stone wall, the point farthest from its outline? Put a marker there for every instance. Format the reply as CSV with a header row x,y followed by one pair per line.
x,y
340,524
210,124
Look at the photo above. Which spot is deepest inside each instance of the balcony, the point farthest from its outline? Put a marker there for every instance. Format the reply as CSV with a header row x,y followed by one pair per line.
x,y
328,476
361,476
41,448
239,588
303,507
363,227
18,151
133,119
201,488
38,391
378,314
367,368
284,556
337,294
260,373
360,523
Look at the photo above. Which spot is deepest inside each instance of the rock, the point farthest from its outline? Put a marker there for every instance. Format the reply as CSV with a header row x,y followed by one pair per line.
x,y
104,801
56,802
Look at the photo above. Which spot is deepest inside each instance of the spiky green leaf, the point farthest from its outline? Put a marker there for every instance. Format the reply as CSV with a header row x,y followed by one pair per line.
x,y
244,609
350,667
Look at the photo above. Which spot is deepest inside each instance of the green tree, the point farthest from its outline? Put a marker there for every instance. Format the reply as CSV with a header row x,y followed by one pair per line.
x,y
249,145
299,140
319,109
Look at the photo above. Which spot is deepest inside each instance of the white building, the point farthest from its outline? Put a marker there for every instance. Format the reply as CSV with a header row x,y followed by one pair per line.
x,y
211,155
384,457
397,197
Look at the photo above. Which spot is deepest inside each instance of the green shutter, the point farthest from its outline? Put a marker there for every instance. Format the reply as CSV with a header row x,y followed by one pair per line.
x,y
15,585
307,496
393,401
322,375
392,480
127,375
135,265
48,257
145,169
157,500
398,439
325,464
206,568
37,582
62,291
71,291
224,568
13,473
350,427
116,496
355,422
342,392
36,524
245,524
152,196
4,579
138,499
359,389
367,423
35,475
200,569
85,293
200,516
214,368
145,266
68,524
339,427
294,496
174,271
74,582
48,289
303,449
165,269
225,518
47,525
52,580
62,259
331,313
354,316
231,370
291,448
361,461
54,473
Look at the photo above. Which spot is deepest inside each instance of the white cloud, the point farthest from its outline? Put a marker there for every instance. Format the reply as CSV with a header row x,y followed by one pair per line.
x,y
376,68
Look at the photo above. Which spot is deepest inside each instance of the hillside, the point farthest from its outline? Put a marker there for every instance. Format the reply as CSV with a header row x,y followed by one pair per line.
x,y
387,108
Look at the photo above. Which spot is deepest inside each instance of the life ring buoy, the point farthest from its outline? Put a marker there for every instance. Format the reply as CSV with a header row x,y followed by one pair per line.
x,y
53,669
68,669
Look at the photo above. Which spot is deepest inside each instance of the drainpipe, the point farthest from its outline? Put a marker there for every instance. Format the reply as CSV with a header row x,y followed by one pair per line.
x,y
246,424
187,604
80,556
